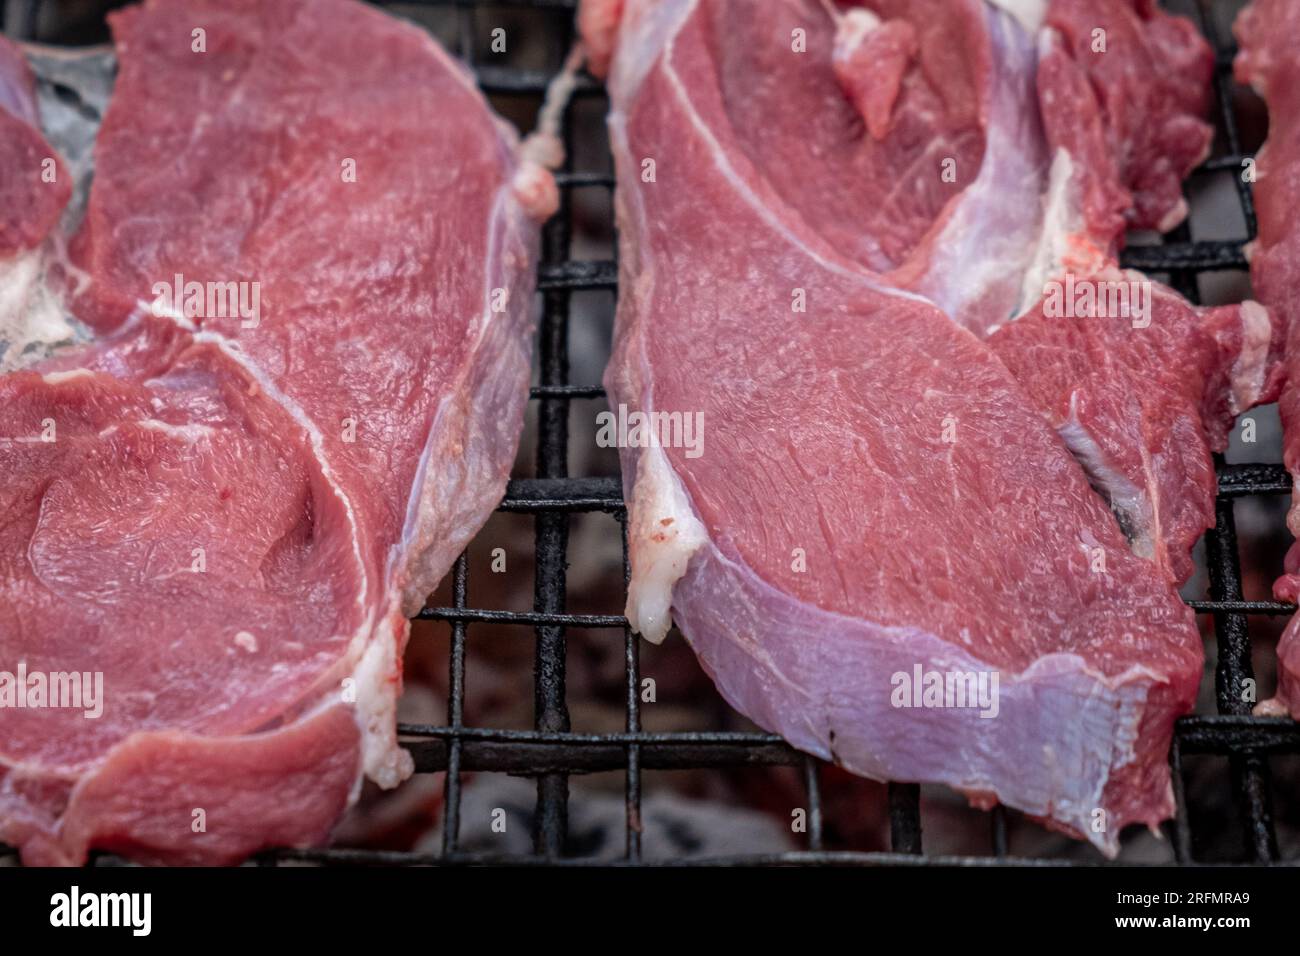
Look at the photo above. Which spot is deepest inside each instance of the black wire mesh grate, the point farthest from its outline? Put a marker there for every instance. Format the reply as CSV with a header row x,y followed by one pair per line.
x,y
551,752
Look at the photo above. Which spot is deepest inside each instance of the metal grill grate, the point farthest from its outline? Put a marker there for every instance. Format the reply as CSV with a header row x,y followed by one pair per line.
x,y
550,752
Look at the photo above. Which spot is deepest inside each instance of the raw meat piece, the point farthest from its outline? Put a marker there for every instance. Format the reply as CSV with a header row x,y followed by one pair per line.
x,y
238,512
1125,88
877,495
33,192
30,203
1142,396
1143,406
1269,31
1053,145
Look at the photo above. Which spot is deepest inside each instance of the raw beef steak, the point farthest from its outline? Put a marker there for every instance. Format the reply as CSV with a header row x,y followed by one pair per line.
x,y
308,258
880,504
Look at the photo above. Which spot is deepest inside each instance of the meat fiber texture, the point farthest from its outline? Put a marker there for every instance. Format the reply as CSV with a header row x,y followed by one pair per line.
x,y
1269,32
849,217
1142,397
227,516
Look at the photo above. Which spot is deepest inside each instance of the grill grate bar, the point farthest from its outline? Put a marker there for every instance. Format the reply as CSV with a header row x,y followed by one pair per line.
x,y
1235,671
567,391
1199,256
1197,733
1236,481
597,621
1000,837
1181,838
905,818
553,760
812,788
521,751
1242,607
564,494
455,710
1238,735
606,493
551,714
578,275
529,618
1228,117
632,659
